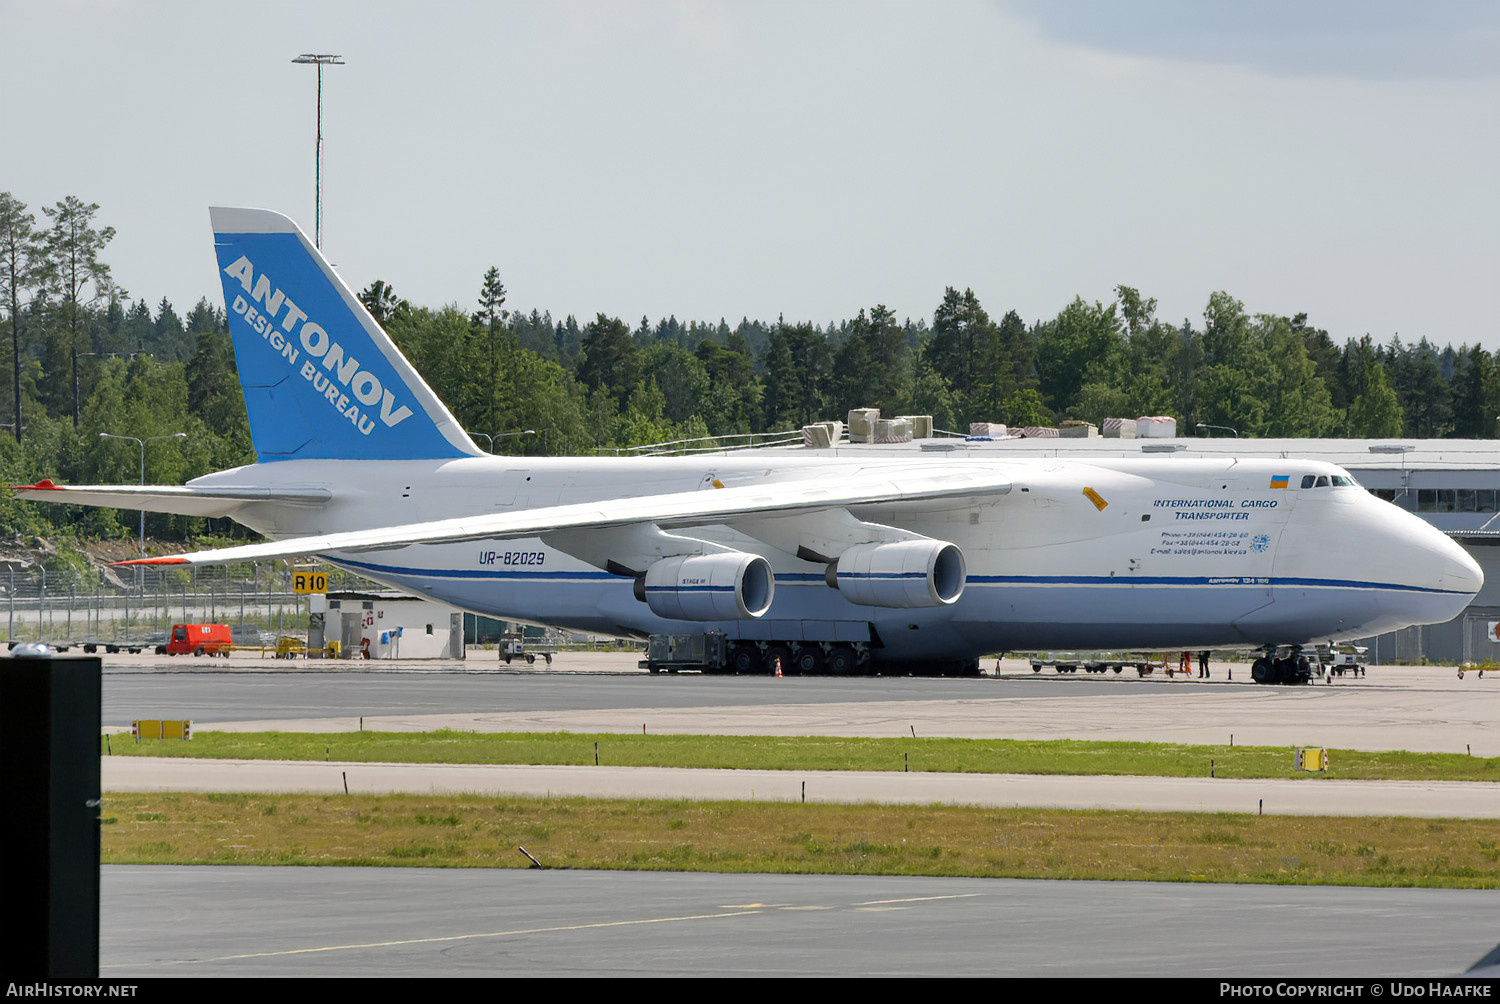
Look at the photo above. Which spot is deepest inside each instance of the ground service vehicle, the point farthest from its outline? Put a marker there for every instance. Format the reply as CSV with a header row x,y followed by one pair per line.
x,y
1091,662
513,646
197,639
1346,659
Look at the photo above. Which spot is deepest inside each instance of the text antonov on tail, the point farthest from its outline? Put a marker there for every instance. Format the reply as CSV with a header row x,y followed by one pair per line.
x,y
364,386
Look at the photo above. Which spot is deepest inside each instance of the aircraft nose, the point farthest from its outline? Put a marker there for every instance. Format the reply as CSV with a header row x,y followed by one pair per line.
x,y
1447,577
1438,578
1453,568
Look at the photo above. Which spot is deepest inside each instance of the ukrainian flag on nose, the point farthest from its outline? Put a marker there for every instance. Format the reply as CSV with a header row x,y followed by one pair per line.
x,y
1279,480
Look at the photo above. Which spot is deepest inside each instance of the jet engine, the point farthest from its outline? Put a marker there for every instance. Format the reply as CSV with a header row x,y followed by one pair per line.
x,y
709,587
907,573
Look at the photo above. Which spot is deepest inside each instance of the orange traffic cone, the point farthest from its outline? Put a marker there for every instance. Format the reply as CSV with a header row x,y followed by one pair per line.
x,y
777,663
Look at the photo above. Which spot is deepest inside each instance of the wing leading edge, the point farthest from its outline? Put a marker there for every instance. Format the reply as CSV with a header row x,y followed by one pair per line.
x,y
773,500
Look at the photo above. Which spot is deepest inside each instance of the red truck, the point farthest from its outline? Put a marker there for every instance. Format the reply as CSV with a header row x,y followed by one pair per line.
x,y
199,639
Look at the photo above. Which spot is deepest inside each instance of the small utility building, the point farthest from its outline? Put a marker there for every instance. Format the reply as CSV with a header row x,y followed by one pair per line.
x,y
373,626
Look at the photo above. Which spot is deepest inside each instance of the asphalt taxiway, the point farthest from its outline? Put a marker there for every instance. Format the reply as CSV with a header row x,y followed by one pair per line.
x,y
394,922
1392,707
1412,708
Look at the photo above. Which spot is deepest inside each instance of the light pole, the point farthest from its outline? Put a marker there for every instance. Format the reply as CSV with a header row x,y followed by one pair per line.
x,y
320,60
142,443
503,435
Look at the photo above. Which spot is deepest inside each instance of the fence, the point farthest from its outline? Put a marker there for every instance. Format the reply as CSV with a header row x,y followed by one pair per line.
x,y
77,607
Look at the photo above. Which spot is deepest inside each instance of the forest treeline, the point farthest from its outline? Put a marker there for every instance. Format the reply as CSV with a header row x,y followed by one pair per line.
x,y
83,358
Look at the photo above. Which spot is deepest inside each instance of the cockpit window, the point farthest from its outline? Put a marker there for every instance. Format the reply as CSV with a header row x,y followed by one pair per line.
x,y
1327,481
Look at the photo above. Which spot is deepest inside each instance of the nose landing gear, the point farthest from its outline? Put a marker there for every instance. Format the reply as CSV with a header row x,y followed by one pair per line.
x,y
1291,667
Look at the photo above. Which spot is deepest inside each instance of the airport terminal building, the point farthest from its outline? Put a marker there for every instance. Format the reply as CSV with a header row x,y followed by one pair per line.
x,y
1454,484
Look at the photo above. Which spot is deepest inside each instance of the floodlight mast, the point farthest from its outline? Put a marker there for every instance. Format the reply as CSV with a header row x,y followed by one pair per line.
x,y
319,59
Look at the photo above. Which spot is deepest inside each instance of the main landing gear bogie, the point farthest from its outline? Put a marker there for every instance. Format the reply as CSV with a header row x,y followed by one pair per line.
x,y
810,659
814,658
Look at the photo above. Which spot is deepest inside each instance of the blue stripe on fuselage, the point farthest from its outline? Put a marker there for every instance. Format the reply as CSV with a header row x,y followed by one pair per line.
x,y
801,578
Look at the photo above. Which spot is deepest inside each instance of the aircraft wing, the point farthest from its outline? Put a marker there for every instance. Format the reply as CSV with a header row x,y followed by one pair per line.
x,y
183,501
874,486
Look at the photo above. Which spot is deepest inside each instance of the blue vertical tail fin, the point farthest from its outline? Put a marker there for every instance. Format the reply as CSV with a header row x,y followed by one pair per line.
x,y
322,381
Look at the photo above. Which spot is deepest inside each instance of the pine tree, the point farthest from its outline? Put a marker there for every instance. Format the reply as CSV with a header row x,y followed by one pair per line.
x,y
22,271
79,278
609,359
500,398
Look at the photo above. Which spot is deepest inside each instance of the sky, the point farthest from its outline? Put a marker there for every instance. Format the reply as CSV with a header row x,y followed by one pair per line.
x,y
729,159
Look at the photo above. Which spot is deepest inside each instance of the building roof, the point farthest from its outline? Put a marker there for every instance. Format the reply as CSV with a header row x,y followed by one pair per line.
x,y
1353,454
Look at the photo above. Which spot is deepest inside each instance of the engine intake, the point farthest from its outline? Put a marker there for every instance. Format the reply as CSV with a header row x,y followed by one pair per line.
x,y
908,573
710,587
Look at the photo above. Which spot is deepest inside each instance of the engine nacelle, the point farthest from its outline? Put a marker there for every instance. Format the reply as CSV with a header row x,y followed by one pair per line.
x,y
907,573
710,587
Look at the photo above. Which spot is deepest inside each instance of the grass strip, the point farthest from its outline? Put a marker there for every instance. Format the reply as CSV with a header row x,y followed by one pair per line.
x,y
486,831
965,756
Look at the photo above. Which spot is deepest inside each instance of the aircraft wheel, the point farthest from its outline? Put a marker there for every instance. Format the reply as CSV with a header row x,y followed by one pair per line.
x,y
742,659
841,660
808,661
1262,671
1287,671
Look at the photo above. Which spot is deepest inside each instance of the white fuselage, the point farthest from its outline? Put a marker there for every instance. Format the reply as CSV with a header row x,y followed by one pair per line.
x,y
1145,553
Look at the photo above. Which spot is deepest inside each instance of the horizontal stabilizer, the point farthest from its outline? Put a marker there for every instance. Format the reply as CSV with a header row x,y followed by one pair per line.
x,y
871,487
182,501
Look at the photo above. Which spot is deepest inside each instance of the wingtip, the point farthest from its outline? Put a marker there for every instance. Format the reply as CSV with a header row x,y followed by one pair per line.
x,y
44,485
152,561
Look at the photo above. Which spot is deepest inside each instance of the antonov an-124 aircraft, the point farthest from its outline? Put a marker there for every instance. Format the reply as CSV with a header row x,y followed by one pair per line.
x,y
828,564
